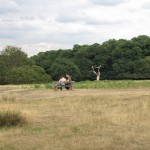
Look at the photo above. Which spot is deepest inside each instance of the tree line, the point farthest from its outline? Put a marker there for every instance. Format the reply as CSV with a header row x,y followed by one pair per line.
x,y
119,59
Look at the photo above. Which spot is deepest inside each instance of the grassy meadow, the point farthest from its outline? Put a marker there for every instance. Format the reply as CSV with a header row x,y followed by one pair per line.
x,y
107,115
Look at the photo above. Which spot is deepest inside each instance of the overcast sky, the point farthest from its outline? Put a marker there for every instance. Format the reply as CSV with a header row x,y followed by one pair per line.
x,y
41,25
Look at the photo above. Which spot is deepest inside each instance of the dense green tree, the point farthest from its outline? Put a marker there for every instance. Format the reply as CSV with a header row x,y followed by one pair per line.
x,y
62,66
77,48
125,56
45,59
143,42
11,57
14,57
143,68
119,59
2,71
68,54
28,74
84,66
16,67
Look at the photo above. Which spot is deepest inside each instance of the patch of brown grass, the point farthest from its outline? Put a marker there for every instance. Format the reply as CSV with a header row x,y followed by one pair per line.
x,y
81,120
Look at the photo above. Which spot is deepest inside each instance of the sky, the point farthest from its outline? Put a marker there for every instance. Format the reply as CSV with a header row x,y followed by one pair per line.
x,y
41,25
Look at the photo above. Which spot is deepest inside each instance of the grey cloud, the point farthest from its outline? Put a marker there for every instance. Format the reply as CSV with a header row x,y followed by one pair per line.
x,y
8,35
84,18
11,25
70,15
37,4
66,19
27,18
6,21
103,22
8,6
64,22
107,2
69,18
146,5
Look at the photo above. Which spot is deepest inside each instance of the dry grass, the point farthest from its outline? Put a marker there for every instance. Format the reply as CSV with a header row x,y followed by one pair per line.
x,y
116,119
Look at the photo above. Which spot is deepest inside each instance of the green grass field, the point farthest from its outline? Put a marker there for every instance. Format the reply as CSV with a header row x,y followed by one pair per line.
x,y
106,84
109,115
113,84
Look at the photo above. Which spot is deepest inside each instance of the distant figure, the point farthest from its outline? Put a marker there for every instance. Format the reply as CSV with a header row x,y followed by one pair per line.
x,y
61,83
68,77
68,82
62,80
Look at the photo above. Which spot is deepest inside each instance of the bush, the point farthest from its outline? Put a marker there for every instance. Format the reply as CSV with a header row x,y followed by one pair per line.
x,y
29,74
12,118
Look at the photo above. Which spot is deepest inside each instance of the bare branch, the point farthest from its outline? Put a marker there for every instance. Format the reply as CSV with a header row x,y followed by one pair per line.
x,y
92,67
94,70
98,67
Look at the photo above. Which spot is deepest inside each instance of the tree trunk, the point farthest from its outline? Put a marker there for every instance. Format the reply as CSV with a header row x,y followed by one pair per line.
x,y
98,77
97,73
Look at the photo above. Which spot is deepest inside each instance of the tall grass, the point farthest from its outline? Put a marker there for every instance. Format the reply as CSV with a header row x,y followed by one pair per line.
x,y
82,119
10,118
8,98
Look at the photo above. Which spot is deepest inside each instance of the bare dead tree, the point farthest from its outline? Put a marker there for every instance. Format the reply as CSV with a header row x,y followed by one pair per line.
x,y
96,71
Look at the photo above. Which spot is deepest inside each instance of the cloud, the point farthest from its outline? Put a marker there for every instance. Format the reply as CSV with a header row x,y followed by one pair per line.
x,y
8,6
103,22
67,17
40,25
146,5
107,2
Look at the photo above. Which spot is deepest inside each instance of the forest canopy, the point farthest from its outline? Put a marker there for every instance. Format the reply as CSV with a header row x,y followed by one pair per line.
x,y
119,59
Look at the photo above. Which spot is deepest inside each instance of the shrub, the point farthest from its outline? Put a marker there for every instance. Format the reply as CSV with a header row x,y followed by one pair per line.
x,y
28,74
12,118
